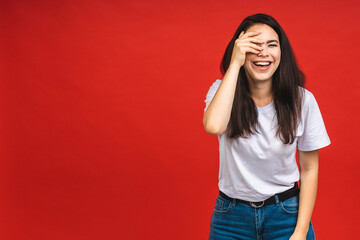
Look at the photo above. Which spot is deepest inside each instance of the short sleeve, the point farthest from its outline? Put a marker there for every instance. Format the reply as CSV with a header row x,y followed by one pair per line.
x,y
314,133
211,93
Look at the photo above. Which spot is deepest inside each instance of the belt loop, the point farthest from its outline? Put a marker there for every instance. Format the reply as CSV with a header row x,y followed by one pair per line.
x,y
276,199
234,202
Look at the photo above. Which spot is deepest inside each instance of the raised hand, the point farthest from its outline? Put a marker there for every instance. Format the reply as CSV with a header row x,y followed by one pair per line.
x,y
245,43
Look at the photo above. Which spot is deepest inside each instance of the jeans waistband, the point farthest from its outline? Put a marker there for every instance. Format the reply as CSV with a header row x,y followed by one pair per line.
x,y
281,197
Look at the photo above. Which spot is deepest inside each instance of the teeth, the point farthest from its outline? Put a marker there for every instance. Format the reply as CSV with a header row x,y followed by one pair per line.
x,y
262,63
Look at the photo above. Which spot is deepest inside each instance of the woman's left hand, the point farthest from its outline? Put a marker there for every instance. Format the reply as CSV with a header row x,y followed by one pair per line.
x,y
298,236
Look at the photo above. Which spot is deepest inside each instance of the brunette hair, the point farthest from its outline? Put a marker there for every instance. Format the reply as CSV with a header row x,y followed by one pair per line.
x,y
287,87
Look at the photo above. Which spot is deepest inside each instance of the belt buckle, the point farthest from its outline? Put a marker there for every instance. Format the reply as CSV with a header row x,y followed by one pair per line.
x,y
255,206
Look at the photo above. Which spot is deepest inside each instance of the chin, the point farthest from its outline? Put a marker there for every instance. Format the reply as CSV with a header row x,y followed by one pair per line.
x,y
261,78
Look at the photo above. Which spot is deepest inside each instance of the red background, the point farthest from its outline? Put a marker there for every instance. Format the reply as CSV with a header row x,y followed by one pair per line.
x,y
102,105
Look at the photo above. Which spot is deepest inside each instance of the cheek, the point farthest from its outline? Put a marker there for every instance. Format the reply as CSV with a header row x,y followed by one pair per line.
x,y
247,58
279,55
246,63
279,58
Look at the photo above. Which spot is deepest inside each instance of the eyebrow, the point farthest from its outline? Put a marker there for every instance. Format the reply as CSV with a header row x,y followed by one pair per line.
x,y
270,41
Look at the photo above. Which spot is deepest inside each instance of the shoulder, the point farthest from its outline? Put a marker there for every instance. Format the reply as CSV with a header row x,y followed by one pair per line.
x,y
310,105
307,97
216,83
214,87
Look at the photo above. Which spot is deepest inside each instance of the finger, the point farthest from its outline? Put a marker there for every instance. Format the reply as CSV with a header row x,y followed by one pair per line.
x,y
241,34
252,33
256,40
254,46
257,47
252,50
251,40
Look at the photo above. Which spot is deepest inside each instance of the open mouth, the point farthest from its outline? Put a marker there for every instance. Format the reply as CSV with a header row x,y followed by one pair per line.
x,y
262,66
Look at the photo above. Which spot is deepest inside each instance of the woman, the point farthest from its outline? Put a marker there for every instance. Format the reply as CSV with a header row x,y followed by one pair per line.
x,y
261,114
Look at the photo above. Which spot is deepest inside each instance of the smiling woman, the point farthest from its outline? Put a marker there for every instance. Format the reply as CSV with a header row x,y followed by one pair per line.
x,y
261,67
262,115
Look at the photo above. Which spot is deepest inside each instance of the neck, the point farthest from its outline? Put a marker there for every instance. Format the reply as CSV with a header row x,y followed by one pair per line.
x,y
261,92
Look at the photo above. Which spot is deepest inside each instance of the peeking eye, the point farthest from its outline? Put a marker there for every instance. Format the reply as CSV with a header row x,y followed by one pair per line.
x,y
273,45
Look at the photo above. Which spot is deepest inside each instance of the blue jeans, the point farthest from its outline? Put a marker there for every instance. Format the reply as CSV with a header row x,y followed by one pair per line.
x,y
231,220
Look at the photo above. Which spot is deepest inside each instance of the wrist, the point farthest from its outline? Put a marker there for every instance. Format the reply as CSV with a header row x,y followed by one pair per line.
x,y
301,230
235,65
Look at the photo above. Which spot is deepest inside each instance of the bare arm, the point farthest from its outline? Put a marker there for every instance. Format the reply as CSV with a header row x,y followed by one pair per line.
x,y
217,115
309,169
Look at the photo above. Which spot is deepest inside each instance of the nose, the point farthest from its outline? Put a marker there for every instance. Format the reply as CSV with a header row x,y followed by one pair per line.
x,y
263,53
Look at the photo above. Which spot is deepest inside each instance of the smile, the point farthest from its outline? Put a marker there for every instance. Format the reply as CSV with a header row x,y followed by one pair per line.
x,y
262,66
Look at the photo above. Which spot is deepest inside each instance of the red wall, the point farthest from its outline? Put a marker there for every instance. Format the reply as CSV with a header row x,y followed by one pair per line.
x,y
102,104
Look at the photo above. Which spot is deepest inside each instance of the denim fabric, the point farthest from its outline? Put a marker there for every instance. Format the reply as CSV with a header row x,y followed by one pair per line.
x,y
277,221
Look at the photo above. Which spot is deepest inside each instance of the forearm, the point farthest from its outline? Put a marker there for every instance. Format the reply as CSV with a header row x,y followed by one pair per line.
x,y
217,115
308,190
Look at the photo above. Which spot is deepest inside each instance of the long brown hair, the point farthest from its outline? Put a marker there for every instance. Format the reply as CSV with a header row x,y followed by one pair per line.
x,y
287,85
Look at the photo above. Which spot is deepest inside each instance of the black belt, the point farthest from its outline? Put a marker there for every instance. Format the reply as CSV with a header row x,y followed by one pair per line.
x,y
281,196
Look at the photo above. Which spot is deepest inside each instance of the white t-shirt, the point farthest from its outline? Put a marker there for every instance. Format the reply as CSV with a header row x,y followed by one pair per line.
x,y
260,166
